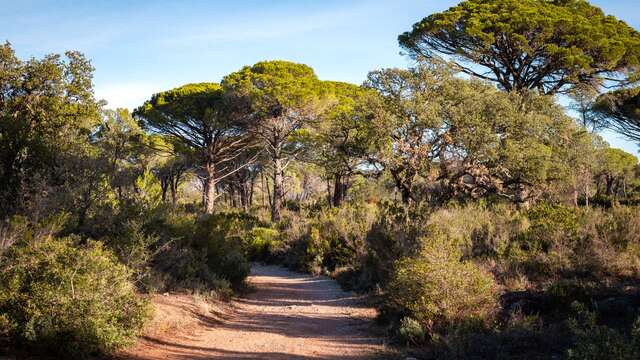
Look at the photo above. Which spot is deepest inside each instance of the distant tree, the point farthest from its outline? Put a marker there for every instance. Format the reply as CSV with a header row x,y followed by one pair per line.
x,y
583,98
46,109
620,111
614,168
277,99
194,115
121,145
548,45
171,173
465,138
406,124
340,139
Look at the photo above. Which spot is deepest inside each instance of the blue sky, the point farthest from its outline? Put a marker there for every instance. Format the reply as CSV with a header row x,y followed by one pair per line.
x,y
142,47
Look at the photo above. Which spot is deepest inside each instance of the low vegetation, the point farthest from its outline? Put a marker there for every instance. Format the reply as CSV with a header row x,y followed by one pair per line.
x,y
483,220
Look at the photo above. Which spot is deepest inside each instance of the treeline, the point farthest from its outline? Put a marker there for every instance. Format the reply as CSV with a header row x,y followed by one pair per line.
x,y
490,222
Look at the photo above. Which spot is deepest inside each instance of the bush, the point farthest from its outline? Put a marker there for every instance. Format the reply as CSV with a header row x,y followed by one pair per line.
x,y
438,289
260,242
593,341
326,240
411,332
74,300
481,231
222,235
135,248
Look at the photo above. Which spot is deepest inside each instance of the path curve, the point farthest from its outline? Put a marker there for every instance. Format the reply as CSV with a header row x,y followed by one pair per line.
x,y
289,316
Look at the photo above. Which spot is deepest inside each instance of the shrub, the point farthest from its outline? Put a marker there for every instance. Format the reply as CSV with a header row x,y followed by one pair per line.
x,y
481,231
75,300
593,341
438,289
394,235
221,236
327,239
260,242
410,331
134,248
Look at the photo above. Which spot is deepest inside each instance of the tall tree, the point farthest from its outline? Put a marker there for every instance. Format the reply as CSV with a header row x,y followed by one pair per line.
x,y
463,138
277,99
620,111
46,108
614,168
548,45
194,115
405,123
340,139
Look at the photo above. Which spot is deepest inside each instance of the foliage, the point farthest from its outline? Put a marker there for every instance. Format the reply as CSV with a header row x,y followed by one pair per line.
x,y
221,236
464,138
46,112
277,99
619,111
440,289
411,332
593,341
195,117
76,300
548,46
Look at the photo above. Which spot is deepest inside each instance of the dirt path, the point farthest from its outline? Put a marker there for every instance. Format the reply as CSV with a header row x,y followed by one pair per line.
x,y
289,316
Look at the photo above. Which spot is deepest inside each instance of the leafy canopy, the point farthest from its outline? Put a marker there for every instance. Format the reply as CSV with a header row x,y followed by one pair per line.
x,y
620,111
189,114
273,88
47,111
616,162
548,45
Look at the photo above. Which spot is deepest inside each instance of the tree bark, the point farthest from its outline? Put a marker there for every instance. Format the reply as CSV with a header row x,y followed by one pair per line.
x,y
209,188
340,187
174,190
337,191
278,184
164,184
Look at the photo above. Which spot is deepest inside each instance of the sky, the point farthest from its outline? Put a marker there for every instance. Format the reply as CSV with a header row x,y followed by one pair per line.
x,y
142,47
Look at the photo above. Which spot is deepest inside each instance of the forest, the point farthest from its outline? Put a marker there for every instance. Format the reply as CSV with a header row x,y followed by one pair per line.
x,y
469,197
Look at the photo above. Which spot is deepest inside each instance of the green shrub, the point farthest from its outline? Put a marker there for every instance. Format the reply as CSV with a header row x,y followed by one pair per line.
x,y
411,332
135,248
327,239
550,225
481,231
394,235
260,243
438,289
594,342
222,235
619,226
75,300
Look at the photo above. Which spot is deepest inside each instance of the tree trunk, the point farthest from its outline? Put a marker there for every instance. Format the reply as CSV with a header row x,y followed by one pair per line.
x,y
251,190
243,195
586,195
609,185
404,187
174,191
278,184
209,188
337,190
164,184
406,196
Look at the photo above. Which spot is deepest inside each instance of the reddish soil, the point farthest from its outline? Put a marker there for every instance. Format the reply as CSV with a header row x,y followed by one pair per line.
x,y
288,316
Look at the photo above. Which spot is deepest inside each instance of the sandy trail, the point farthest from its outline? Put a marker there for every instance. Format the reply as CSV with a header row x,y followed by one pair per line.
x,y
289,316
